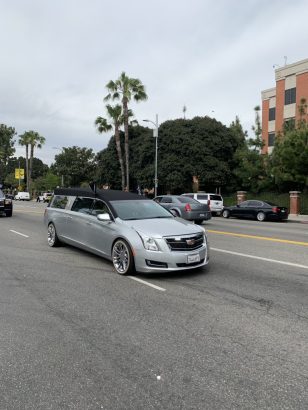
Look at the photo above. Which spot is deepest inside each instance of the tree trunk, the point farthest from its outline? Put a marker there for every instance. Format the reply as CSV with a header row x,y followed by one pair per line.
x,y
27,165
125,111
31,164
119,151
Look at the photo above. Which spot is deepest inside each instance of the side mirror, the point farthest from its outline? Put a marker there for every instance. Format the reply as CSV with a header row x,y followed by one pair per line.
x,y
103,217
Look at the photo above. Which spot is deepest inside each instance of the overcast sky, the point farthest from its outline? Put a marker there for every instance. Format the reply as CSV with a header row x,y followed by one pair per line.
x,y
214,57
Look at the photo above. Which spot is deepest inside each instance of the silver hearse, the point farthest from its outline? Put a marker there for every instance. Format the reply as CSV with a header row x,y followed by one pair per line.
x,y
132,231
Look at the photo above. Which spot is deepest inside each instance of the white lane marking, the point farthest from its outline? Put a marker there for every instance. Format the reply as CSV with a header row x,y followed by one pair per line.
x,y
295,265
146,283
18,233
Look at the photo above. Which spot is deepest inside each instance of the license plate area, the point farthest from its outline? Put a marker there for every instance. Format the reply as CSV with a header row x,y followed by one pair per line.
x,y
193,258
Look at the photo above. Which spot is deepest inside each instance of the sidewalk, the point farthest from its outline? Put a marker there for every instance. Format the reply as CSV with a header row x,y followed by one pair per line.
x,y
298,218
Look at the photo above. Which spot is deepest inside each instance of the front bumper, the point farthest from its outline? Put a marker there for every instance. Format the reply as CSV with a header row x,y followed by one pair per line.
x,y
169,261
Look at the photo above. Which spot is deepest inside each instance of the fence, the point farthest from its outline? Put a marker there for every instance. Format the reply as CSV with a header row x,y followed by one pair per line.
x,y
279,199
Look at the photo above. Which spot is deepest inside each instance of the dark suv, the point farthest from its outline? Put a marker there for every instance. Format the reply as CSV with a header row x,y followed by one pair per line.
x,y
6,205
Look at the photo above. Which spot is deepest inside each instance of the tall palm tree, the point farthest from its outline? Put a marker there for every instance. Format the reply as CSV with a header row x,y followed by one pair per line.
x,y
36,140
31,139
102,124
24,141
126,89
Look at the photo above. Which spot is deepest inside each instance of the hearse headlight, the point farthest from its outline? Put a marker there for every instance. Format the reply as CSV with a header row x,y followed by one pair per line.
x,y
149,243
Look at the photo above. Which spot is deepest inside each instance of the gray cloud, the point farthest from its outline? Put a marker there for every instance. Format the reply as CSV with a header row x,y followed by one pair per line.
x,y
57,57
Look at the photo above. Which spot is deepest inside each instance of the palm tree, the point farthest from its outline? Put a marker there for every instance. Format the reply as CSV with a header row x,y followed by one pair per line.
x,y
36,140
115,114
25,141
30,139
126,89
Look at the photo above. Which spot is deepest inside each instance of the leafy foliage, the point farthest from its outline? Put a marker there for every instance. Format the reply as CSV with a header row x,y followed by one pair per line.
x,y
75,164
7,149
200,147
290,159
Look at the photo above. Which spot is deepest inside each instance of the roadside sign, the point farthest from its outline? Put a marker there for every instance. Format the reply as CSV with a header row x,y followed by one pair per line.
x,y
19,173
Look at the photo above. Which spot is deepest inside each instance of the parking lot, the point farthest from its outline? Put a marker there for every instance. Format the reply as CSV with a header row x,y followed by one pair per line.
x,y
74,334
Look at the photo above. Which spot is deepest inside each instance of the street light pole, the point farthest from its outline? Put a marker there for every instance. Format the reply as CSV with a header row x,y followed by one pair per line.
x,y
155,135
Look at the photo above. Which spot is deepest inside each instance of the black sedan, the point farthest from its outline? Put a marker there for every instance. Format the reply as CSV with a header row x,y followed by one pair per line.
x,y
259,210
185,207
6,205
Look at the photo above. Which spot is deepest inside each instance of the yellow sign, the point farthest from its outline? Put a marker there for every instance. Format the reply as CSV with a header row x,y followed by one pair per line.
x,y
19,173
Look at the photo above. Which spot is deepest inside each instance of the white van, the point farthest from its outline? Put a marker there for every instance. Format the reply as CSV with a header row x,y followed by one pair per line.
x,y
22,196
215,201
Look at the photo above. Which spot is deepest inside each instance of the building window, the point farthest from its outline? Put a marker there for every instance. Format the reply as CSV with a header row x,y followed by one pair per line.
x,y
289,124
290,96
271,114
271,139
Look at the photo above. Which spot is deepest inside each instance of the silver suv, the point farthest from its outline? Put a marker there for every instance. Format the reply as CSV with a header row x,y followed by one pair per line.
x,y
215,201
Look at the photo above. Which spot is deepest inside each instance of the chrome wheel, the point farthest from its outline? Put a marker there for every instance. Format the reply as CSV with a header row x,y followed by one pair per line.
x,y
52,237
260,216
226,214
122,257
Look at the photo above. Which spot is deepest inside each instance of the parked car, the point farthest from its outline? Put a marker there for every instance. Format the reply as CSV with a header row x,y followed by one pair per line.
x,y
132,231
259,210
185,207
22,196
6,205
215,201
44,197
9,196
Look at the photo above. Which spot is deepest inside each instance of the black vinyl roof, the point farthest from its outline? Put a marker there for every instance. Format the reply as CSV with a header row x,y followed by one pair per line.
x,y
105,194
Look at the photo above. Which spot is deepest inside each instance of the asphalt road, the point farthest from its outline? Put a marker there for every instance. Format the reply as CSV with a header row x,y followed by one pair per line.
x,y
75,335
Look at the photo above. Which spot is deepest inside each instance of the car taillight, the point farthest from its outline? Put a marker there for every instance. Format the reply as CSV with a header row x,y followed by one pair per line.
x,y
209,204
187,208
275,209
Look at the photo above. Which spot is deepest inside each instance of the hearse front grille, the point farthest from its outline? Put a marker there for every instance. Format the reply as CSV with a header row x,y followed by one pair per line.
x,y
185,243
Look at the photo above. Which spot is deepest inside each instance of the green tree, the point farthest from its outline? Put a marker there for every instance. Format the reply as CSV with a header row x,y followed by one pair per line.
x,y
290,159
102,124
48,182
35,141
7,149
251,168
200,147
24,140
30,139
126,89
76,164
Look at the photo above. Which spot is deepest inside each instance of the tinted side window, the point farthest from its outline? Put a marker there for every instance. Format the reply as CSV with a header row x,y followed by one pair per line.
x,y
82,205
216,197
244,204
189,195
166,200
187,200
59,202
158,199
201,196
99,207
253,204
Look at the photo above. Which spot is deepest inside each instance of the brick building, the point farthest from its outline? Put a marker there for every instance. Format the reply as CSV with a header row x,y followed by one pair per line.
x,y
280,104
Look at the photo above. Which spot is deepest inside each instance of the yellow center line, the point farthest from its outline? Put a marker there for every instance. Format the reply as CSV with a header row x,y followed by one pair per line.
x,y
262,238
